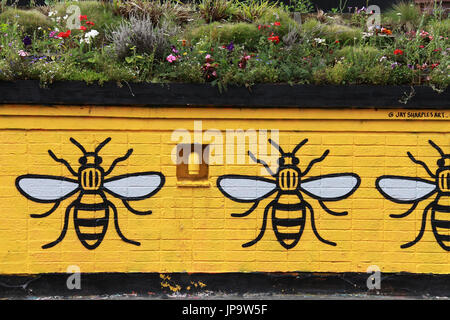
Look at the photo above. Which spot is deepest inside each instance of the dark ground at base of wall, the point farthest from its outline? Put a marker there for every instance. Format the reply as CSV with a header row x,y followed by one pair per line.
x,y
224,285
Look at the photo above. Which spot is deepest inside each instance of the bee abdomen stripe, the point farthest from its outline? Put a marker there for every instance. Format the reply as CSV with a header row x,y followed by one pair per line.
x,y
442,224
288,222
91,222
289,206
287,236
90,236
443,237
91,206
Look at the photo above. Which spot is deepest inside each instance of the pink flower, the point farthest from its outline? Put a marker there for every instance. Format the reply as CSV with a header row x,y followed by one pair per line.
x,y
171,58
23,53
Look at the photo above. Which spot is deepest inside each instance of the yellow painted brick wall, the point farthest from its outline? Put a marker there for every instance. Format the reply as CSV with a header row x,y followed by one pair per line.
x,y
191,229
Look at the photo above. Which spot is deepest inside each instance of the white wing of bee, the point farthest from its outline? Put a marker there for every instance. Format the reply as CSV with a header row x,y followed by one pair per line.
x,y
136,186
331,187
405,189
246,188
45,189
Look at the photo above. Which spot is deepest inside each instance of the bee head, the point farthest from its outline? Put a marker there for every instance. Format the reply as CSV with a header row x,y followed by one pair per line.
x,y
90,159
287,160
444,162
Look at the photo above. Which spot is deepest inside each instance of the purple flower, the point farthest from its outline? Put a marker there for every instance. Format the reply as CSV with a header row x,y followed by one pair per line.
x,y
26,41
174,49
230,46
395,64
411,66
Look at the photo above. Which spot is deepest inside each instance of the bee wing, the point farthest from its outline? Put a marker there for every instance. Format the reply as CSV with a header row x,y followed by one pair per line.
x,y
331,187
405,189
136,186
242,188
46,189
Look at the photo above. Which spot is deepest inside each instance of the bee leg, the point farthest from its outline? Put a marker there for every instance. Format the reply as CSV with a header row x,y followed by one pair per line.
x,y
116,161
263,227
246,213
46,214
140,213
313,162
116,224
334,213
407,213
64,230
313,226
422,228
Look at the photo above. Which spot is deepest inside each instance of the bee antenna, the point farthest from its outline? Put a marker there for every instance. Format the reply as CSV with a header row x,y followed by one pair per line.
x,y
276,145
101,145
434,145
297,147
75,142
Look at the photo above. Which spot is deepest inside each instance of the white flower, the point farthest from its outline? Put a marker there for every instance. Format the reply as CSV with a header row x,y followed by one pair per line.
x,y
319,40
91,34
51,13
65,17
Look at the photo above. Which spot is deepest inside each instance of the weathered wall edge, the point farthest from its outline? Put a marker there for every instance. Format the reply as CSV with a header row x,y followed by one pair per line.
x,y
161,285
192,95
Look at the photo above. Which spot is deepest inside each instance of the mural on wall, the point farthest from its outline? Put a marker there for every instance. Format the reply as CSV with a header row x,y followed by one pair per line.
x,y
412,190
288,208
91,208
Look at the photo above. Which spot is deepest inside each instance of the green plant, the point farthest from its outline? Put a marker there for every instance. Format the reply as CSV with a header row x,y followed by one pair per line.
x,y
403,15
240,33
252,10
139,35
216,10
156,10
28,21
301,6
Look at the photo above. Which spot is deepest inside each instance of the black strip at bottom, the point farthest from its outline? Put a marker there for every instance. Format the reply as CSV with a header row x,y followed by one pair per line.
x,y
164,285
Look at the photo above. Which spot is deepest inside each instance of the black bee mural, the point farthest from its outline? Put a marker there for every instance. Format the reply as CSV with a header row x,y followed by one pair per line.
x,y
287,185
91,208
412,190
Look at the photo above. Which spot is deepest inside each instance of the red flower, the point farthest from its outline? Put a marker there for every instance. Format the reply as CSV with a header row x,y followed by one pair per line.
x,y
90,23
421,46
274,39
434,65
277,23
64,34
83,18
398,52
337,41
83,28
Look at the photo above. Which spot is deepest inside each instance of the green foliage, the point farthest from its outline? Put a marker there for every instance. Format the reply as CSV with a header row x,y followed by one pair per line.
x,y
29,21
240,33
216,10
403,15
224,42
252,10
101,13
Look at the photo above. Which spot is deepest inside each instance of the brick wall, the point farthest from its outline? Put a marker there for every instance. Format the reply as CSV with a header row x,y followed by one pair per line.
x,y
191,228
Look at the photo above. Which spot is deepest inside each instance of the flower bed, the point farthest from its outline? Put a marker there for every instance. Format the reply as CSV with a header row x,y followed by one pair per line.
x,y
224,43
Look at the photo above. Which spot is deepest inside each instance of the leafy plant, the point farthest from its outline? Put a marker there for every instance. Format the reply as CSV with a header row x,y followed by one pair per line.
x,y
140,35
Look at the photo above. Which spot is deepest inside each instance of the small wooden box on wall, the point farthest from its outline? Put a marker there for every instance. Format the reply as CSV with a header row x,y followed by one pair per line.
x,y
192,162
